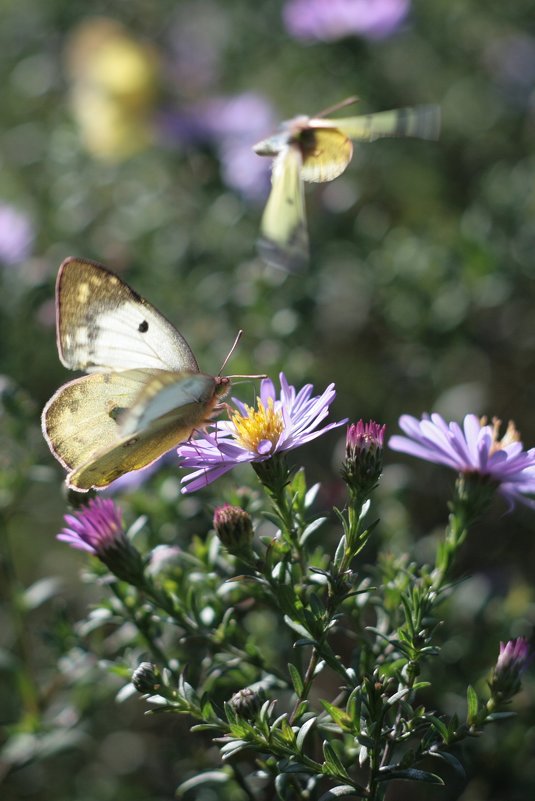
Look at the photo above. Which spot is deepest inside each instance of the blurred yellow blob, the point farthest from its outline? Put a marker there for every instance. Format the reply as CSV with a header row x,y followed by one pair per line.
x,y
113,88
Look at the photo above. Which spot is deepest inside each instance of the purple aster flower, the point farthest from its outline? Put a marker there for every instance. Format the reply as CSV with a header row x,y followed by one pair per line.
x,y
230,125
473,449
328,20
98,529
512,660
16,235
256,435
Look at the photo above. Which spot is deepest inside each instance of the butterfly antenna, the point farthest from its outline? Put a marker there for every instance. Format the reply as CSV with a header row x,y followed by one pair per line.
x,y
231,351
337,106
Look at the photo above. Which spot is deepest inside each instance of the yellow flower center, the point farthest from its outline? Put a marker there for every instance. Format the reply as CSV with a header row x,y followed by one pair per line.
x,y
511,434
260,425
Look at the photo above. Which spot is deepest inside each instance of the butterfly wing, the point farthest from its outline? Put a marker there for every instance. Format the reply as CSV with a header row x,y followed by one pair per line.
x,y
102,324
284,236
422,122
325,150
103,425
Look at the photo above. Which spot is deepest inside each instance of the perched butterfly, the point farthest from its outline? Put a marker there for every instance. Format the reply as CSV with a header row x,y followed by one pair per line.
x,y
144,393
316,149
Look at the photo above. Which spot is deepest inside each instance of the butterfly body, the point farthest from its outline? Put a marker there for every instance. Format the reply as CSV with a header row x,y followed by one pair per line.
x,y
315,150
144,393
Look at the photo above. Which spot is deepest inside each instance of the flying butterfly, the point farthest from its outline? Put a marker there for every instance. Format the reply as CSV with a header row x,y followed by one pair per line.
x,y
143,393
316,149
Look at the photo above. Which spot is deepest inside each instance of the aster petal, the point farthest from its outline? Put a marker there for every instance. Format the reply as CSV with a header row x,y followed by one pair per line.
x,y
267,391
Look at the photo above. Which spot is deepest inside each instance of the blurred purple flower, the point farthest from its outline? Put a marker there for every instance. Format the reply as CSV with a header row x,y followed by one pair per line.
x,y
475,448
328,20
16,235
256,435
231,126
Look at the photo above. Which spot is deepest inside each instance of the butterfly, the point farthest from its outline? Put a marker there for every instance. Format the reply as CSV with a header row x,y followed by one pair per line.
x,y
316,149
143,393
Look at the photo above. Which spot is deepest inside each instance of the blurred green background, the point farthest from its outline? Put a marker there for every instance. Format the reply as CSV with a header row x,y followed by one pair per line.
x,y
125,137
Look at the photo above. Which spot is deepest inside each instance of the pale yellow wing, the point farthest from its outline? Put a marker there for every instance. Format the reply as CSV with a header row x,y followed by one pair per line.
x,y
422,122
88,422
325,151
284,236
102,324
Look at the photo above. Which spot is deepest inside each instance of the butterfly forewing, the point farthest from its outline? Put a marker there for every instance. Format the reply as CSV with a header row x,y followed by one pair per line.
x,y
102,324
284,241
422,122
165,393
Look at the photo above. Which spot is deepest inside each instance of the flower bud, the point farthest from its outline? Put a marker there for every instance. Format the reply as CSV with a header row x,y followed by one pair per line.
x,y
146,678
512,660
247,702
364,456
234,528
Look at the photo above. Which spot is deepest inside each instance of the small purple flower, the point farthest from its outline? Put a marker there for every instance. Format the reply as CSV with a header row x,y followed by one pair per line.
x,y
98,529
256,435
473,449
16,235
328,20
512,661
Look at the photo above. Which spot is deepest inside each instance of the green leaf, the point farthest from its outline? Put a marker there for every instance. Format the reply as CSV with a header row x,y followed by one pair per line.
x,y
340,791
297,681
408,774
339,716
303,731
333,764
440,727
473,704
451,760
310,529
297,627
210,777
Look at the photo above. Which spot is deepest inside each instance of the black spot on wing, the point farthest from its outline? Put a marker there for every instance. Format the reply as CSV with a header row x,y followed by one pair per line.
x,y
143,327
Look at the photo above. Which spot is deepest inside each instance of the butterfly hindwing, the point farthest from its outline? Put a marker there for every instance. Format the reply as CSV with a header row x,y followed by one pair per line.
x,y
284,240
102,324
90,423
326,152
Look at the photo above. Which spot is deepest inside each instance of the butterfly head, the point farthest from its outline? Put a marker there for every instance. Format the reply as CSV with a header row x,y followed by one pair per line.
x,y
222,386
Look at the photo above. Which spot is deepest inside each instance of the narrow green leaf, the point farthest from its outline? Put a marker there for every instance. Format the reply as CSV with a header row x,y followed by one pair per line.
x,y
473,704
297,681
440,727
340,791
303,731
409,774
210,777
310,529
451,760
332,763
